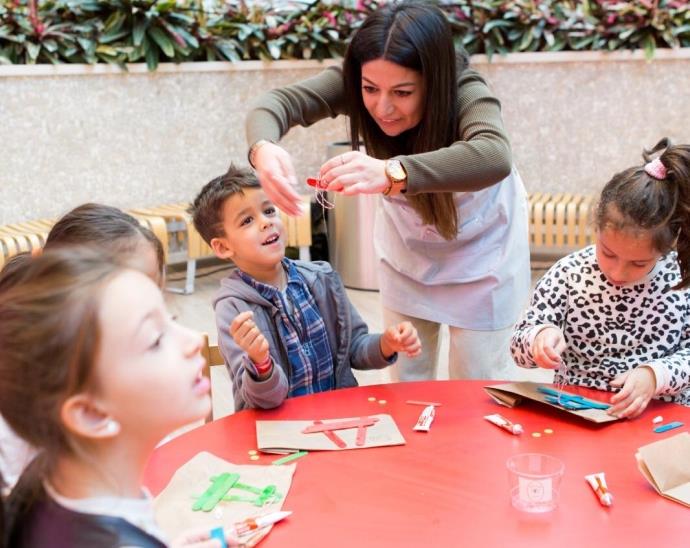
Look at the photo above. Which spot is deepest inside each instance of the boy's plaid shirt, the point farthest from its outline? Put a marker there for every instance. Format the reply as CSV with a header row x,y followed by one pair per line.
x,y
304,334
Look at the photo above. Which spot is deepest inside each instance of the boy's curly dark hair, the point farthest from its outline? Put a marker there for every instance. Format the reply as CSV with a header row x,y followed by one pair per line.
x,y
207,208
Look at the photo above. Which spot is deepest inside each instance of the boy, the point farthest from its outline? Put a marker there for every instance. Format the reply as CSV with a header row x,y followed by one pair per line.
x,y
286,328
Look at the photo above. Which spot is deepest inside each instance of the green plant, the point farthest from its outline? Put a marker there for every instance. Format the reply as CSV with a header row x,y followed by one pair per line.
x,y
154,31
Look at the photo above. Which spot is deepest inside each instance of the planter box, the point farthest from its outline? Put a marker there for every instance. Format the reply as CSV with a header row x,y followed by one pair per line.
x,y
76,133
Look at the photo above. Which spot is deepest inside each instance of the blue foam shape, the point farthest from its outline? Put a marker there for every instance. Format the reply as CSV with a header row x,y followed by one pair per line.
x,y
667,427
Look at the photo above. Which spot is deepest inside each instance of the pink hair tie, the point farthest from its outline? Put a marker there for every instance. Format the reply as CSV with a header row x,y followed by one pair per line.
x,y
656,169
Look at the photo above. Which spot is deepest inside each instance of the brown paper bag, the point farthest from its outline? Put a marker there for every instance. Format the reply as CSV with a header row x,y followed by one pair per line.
x,y
173,505
512,393
666,465
285,436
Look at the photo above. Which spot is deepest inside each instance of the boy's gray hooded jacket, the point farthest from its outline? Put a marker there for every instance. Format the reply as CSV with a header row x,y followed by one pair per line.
x,y
348,335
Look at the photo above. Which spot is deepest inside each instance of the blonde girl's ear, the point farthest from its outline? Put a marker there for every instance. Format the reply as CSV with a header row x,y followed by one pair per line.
x,y
83,417
222,249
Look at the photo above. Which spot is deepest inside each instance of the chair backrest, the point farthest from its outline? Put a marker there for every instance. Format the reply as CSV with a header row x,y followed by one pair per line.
x,y
213,356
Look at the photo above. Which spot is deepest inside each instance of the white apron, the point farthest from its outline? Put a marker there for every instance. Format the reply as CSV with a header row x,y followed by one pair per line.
x,y
479,281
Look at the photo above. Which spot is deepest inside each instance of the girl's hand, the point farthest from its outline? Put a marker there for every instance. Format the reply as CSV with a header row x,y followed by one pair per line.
x,y
354,173
276,174
639,386
201,538
248,337
400,338
547,347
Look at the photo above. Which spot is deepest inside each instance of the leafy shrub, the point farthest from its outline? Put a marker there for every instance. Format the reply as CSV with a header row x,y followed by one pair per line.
x,y
130,31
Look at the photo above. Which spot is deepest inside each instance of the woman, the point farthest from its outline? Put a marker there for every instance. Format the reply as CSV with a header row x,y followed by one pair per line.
x,y
452,230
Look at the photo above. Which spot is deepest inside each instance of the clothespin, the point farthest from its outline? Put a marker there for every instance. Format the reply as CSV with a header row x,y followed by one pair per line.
x,y
313,182
320,193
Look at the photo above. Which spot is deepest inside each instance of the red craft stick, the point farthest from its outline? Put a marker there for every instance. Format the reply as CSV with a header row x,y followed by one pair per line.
x,y
319,426
335,438
361,434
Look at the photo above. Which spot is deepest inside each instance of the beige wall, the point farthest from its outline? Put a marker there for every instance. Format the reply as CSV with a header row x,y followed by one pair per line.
x,y
575,119
75,133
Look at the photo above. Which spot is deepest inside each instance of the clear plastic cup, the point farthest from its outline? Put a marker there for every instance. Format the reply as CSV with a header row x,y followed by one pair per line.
x,y
535,481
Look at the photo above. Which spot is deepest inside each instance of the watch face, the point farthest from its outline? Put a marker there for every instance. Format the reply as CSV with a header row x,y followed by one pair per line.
x,y
395,170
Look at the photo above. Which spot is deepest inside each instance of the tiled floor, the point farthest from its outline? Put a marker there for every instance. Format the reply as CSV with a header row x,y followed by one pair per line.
x,y
196,311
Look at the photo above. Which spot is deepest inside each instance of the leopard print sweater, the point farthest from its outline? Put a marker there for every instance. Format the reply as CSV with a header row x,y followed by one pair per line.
x,y
610,329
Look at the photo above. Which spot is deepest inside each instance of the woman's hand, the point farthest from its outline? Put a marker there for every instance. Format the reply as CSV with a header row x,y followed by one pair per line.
x,y
639,386
354,172
547,347
276,174
400,338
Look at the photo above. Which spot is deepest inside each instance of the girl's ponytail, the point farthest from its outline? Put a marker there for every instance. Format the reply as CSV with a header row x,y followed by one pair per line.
x,y
676,161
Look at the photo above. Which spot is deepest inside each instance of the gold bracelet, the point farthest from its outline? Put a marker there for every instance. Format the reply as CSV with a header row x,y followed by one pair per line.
x,y
254,148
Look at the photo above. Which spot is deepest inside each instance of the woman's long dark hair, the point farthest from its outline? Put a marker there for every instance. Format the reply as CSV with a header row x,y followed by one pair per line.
x,y
416,36
636,201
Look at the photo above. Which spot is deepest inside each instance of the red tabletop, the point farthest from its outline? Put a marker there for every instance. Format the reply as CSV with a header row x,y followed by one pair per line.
x,y
449,487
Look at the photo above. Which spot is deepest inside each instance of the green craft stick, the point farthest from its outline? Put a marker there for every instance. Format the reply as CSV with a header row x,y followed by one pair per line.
x,y
239,498
267,495
249,488
221,484
289,458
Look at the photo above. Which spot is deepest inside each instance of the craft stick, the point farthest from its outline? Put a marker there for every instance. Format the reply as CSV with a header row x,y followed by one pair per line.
x,y
289,458
361,435
564,398
340,425
337,440
424,403
220,485
668,426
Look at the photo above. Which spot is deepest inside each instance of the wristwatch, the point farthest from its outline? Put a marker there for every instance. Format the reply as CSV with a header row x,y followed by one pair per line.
x,y
397,178
256,146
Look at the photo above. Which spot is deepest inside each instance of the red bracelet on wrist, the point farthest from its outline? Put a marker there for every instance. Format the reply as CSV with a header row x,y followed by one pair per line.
x,y
265,366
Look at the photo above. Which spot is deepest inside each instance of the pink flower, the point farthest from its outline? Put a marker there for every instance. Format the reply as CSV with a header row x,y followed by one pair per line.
x,y
331,18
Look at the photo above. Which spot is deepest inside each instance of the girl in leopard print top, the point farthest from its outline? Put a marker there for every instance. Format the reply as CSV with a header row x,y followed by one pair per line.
x,y
616,315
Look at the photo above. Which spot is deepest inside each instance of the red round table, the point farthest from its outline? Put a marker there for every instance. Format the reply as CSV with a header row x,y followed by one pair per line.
x,y
449,487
